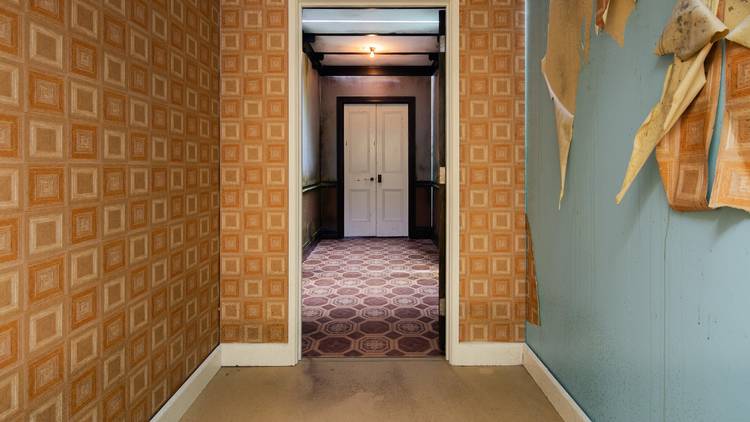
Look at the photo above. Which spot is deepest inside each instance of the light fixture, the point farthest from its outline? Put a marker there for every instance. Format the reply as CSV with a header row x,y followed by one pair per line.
x,y
372,52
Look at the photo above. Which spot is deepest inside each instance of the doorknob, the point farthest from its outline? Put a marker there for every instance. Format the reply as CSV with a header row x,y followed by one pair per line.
x,y
372,178
380,178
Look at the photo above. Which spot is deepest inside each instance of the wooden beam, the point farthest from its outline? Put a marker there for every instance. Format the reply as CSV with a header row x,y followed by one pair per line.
x,y
377,70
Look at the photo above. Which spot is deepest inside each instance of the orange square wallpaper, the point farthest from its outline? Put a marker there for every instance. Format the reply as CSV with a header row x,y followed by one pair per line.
x,y
254,212
492,232
109,204
111,136
254,279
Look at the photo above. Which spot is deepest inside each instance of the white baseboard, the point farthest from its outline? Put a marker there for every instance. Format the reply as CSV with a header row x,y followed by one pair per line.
x,y
258,354
179,403
486,354
556,394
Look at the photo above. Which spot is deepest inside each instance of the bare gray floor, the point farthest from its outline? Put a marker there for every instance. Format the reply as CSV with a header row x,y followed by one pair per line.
x,y
384,390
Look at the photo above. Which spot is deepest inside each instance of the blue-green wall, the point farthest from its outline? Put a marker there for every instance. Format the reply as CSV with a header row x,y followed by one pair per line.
x,y
645,311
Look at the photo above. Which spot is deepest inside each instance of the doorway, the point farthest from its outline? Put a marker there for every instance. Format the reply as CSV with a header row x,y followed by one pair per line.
x,y
348,66
373,290
376,143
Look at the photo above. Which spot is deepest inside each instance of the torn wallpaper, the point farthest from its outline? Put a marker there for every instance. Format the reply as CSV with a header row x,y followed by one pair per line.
x,y
568,36
731,186
683,82
612,17
692,25
683,154
532,300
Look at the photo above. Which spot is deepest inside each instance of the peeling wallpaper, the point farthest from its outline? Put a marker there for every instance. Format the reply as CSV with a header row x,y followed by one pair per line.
x,y
643,309
109,220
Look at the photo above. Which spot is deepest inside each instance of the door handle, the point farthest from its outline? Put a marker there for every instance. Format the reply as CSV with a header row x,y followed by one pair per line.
x,y
372,178
380,178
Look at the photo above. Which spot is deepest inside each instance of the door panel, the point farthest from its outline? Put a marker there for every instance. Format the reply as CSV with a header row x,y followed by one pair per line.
x,y
393,168
376,170
359,170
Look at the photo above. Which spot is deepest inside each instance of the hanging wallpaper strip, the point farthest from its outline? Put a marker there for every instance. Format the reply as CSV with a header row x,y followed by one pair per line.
x,y
682,155
532,302
732,182
567,40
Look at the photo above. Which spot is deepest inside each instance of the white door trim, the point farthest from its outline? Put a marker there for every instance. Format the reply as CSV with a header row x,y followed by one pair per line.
x,y
295,163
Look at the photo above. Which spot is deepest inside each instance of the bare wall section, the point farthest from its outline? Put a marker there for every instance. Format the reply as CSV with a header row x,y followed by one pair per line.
x,y
643,309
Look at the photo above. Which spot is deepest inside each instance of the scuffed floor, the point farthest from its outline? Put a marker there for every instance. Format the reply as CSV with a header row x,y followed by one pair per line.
x,y
371,297
360,390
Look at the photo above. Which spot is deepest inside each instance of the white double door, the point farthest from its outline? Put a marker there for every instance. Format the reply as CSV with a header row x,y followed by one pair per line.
x,y
376,170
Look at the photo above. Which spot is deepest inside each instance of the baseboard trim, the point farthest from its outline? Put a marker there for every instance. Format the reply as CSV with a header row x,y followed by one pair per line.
x,y
258,354
562,401
486,354
179,403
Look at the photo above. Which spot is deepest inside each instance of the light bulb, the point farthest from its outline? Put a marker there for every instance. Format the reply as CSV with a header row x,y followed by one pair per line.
x,y
372,52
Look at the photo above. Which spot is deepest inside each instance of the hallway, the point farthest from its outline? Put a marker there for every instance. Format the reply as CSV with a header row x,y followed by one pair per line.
x,y
372,390
371,297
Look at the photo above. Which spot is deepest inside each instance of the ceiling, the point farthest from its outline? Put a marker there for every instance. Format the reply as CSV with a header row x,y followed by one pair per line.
x,y
403,41
371,21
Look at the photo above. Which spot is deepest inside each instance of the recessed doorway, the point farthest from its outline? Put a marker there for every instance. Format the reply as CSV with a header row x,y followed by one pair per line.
x,y
372,143
324,71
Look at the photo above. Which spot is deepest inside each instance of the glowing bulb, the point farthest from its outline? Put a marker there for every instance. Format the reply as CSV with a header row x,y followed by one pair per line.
x,y
372,52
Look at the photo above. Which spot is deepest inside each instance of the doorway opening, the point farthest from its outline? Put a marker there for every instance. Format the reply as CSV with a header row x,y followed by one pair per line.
x,y
373,186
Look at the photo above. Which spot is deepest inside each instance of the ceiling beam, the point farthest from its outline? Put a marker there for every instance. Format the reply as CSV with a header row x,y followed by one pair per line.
x,y
307,48
363,53
377,70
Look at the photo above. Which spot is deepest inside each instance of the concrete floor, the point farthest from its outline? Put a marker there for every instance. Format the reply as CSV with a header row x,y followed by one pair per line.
x,y
383,390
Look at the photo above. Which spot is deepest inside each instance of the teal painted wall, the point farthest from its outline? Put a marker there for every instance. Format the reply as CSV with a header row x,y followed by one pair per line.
x,y
645,311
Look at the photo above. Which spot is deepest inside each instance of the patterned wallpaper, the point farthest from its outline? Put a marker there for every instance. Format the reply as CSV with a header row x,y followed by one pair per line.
x,y
254,171
108,204
254,168
492,233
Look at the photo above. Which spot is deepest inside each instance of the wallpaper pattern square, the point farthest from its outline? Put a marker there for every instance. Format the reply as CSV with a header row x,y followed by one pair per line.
x,y
109,204
254,190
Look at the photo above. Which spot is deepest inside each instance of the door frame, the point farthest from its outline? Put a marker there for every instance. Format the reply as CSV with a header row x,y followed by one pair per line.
x,y
291,352
340,156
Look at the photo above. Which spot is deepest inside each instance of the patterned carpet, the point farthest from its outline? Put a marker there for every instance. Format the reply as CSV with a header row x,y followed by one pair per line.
x,y
370,297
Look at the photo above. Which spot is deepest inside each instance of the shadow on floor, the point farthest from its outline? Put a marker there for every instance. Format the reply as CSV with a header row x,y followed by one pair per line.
x,y
388,389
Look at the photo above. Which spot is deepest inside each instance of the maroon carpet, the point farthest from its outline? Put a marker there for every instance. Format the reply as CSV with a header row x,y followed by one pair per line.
x,y
371,297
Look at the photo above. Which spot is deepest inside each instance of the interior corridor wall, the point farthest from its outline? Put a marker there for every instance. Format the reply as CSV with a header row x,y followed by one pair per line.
x,y
109,220
254,142
492,232
254,190
310,152
643,310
